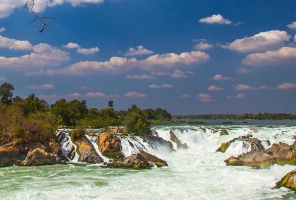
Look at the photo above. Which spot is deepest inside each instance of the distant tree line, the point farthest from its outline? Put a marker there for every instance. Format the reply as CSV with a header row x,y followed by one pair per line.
x,y
246,116
33,118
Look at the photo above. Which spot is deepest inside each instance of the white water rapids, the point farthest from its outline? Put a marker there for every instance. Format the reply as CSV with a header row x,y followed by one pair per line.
x,y
198,172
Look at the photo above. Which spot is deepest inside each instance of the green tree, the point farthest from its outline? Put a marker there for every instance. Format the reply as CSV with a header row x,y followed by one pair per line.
x,y
110,104
136,121
6,93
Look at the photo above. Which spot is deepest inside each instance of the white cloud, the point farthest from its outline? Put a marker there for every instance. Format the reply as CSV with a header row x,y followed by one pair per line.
x,y
263,41
205,97
95,94
239,96
159,73
285,86
241,87
214,88
139,51
75,94
135,95
14,44
88,51
215,19
242,71
7,6
185,96
139,77
2,79
202,46
2,29
160,86
43,55
219,77
285,55
71,45
42,87
292,26
179,74
119,64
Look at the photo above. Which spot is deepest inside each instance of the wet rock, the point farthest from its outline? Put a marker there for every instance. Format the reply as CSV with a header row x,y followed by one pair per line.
x,y
87,152
256,159
40,157
153,159
110,145
288,181
255,143
224,132
135,161
177,141
112,130
283,153
158,142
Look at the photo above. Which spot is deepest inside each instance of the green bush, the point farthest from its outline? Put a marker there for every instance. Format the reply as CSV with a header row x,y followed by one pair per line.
x,y
136,121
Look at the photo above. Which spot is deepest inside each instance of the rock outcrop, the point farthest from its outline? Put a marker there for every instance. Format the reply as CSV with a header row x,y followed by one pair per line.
x,y
255,143
280,153
157,142
177,141
153,159
288,181
110,145
135,161
39,156
87,152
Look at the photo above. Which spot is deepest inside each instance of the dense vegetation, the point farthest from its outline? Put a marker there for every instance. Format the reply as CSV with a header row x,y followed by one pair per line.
x,y
246,116
30,118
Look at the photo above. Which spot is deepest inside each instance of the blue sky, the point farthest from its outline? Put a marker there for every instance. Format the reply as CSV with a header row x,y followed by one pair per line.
x,y
187,56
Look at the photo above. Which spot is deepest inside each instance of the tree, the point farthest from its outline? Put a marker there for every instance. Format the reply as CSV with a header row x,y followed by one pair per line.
x,y
110,104
6,93
136,121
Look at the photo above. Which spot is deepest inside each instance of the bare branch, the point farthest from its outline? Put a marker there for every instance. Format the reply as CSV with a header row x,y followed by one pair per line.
x,y
46,21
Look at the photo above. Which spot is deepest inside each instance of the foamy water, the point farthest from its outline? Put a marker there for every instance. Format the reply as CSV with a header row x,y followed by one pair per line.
x,y
198,172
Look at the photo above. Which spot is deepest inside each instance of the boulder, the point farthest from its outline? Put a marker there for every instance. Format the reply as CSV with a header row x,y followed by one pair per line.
x,y
283,153
40,157
255,143
288,181
256,159
177,141
110,145
224,132
112,130
87,152
153,159
159,143
135,161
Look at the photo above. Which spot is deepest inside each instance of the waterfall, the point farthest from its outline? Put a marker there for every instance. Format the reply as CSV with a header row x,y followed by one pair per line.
x,y
69,149
93,140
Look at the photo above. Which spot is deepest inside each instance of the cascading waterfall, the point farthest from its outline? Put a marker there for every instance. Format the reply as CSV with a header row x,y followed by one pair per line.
x,y
69,149
93,140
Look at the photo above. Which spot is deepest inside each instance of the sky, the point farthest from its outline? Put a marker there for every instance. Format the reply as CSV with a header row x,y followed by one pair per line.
x,y
185,56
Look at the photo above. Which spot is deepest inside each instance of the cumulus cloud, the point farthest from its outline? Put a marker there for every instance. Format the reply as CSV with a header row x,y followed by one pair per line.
x,y
43,55
2,29
14,44
7,6
242,71
179,74
202,46
153,86
88,51
95,94
135,95
159,73
41,87
263,41
185,96
2,79
215,19
75,94
139,77
139,51
219,77
204,97
241,87
285,55
214,88
119,64
292,26
240,96
71,45
285,86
